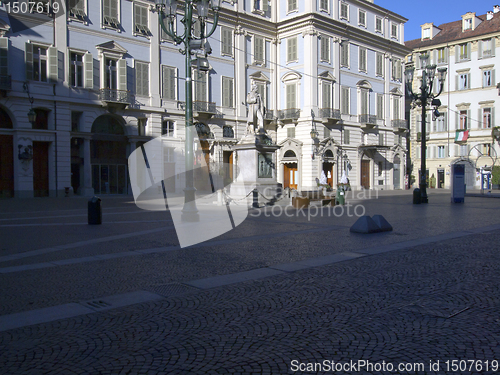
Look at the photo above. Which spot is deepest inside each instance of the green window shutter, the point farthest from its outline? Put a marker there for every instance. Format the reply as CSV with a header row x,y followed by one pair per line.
x,y
4,60
380,106
345,100
29,61
53,64
292,49
122,74
88,63
200,86
114,8
227,41
144,79
137,14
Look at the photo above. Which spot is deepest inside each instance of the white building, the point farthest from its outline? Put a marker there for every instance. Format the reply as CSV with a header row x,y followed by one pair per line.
x,y
104,80
463,134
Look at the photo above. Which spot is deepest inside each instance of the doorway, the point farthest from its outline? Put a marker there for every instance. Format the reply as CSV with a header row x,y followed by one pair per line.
x,y
397,173
290,176
440,179
365,174
6,166
41,169
328,169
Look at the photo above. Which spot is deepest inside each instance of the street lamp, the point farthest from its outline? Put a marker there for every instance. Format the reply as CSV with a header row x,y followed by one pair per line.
x,y
167,9
421,99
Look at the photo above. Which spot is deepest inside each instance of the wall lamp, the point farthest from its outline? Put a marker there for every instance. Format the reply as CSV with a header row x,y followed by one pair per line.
x,y
31,112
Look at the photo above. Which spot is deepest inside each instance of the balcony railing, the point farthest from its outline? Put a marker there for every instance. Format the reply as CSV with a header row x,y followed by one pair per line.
x,y
5,82
269,115
330,113
419,137
368,119
399,125
289,114
116,96
204,107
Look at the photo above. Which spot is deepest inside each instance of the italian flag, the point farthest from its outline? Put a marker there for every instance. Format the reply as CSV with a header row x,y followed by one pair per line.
x,y
462,136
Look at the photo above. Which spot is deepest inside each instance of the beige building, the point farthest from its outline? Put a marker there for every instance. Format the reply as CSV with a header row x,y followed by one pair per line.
x,y
463,132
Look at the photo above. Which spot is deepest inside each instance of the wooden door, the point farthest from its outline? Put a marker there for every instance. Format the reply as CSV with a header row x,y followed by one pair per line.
x,y
6,166
365,174
290,176
41,169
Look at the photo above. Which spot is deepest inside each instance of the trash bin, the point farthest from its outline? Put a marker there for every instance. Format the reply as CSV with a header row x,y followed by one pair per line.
x,y
340,197
417,198
95,211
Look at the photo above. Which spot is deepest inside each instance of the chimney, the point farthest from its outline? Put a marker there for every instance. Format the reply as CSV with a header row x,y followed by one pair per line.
x,y
496,8
489,15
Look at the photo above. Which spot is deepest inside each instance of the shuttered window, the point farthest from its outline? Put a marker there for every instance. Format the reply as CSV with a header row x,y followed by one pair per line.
x,y
323,5
325,48
347,136
380,65
380,106
141,20
345,100
291,95
344,11
344,54
362,59
110,13
227,92
395,108
200,86
291,44
259,50
169,82
141,78
227,41
292,5
326,95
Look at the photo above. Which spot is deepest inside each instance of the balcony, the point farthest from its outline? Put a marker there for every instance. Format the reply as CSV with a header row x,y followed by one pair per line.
x,y
5,83
367,121
291,114
115,97
399,125
204,110
419,137
269,115
330,115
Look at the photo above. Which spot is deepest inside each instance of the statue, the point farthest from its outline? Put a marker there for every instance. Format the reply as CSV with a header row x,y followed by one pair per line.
x,y
256,111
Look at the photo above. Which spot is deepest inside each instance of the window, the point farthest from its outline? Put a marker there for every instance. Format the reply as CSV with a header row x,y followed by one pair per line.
x,y
380,106
75,120
292,6
168,128
291,47
463,120
462,52
196,29
325,48
394,30
362,18
396,70
364,108
258,52
76,9
141,20
378,24
227,92
344,11
141,78
110,14
463,81
290,132
326,94
347,136
486,149
262,90
344,54
111,74
345,100
362,59
164,36
441,122
426,33
441,153
487,118
323,5
39,64
142,123
442,55
200,86
487,48
227,131
379,69
395,107
169,82
227,41
261,5
487,78
291,95
467,24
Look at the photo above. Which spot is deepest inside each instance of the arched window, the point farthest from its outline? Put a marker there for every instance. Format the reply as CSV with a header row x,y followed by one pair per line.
x,y
289,154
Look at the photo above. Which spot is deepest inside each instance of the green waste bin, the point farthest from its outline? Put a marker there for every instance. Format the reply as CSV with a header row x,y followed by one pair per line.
x,y
340,197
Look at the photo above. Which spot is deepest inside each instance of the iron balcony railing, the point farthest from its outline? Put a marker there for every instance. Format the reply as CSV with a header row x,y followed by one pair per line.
x,y
399,124
269,115
289,114
330,113
116,96
5,82
419,137
368,119
204,107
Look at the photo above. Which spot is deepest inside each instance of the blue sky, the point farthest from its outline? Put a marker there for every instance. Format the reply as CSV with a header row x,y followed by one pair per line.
x,y
437,11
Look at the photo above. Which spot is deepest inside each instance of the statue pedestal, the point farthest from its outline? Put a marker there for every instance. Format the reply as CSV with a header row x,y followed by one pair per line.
x,y
256,169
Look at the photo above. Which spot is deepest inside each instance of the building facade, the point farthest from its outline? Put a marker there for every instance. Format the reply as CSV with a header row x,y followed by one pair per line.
x,y
103,79
463,131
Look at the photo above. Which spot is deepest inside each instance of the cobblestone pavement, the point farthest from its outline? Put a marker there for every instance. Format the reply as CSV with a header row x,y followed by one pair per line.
x,y
435,299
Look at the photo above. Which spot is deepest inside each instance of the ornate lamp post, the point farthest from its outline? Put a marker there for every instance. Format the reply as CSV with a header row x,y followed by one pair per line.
x,y
167,9
423,98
